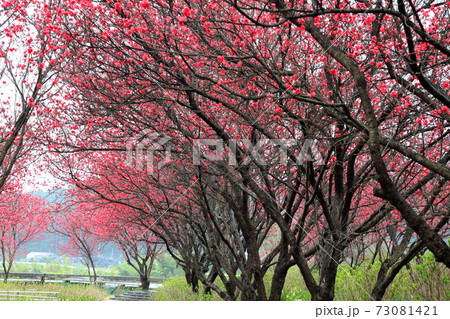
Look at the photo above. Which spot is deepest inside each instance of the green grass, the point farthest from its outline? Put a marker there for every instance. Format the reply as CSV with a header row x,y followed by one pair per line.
x,y
426,280
65,292
176,289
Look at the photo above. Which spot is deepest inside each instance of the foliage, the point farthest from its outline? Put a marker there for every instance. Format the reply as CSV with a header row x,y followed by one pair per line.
x,y
166,267
176,289
424,279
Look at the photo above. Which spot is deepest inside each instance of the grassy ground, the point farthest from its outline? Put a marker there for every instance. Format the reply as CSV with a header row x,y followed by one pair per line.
x,y
425,281
65,292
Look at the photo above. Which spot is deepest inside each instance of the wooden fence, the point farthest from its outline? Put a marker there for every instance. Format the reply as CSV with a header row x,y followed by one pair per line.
x,y
108,282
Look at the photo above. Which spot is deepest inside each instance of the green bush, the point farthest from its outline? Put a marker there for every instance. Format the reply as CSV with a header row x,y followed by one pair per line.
x,y
430,279
176,289
423,280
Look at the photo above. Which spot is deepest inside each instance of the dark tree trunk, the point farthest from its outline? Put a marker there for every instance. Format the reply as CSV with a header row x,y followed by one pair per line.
x,y
191,279
280,273
231,289
145,282
194,282
278,281
6,266
328,271
89,271
95,273
212,278
91,262
249,293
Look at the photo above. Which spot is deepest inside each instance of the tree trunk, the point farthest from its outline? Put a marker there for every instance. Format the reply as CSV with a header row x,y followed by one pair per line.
x,y
147,271
89,272
328,267
191,279
6,267
278,280
280,273
95,273
91,261
212,277
145,282
231,289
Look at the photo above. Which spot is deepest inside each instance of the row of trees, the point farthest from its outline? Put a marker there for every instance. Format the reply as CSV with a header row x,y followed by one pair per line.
x,y
26,217
89,228
23,218
23,81
260,91
29,75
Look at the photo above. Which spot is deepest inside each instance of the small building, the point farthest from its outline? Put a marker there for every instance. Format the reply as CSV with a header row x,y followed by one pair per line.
x,y
41,257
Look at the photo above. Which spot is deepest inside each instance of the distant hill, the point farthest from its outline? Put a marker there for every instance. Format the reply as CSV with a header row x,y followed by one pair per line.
x,y
53,197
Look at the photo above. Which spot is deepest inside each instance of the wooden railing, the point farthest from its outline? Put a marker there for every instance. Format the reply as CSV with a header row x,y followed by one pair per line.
x,y
70,277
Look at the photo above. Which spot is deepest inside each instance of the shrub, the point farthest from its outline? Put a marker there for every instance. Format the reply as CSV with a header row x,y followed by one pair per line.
x,y
176,289
423,280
